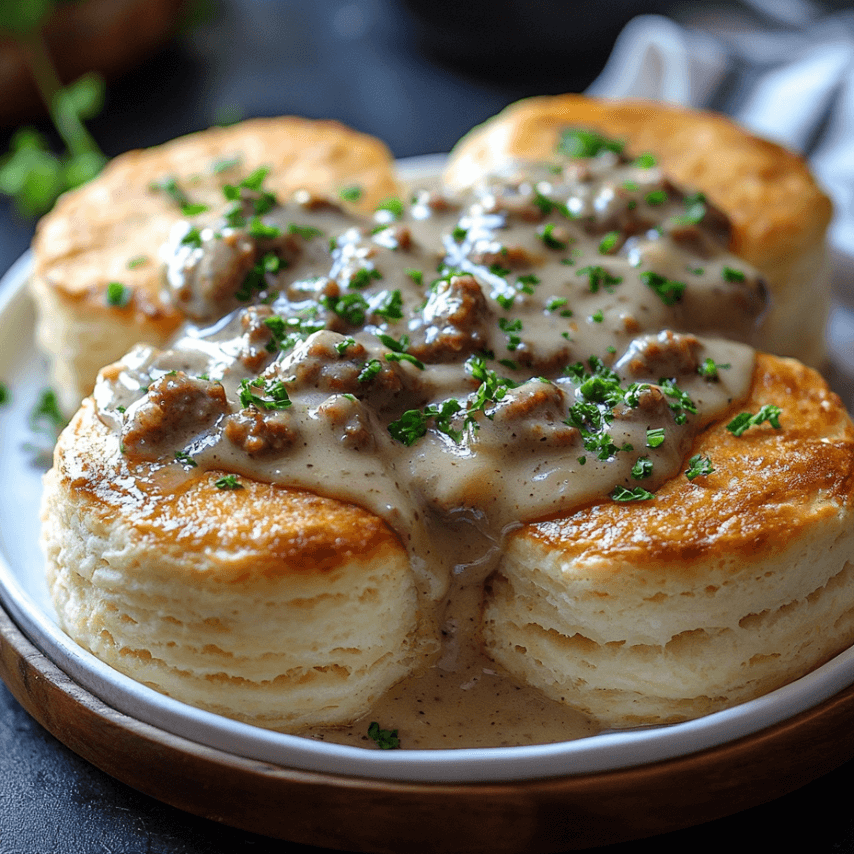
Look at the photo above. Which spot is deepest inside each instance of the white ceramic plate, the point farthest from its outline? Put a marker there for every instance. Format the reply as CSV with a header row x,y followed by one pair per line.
x,y
24,594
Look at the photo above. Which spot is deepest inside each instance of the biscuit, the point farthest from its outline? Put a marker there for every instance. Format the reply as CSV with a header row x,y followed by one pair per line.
x,y
779,214
110,230
717,591
269,605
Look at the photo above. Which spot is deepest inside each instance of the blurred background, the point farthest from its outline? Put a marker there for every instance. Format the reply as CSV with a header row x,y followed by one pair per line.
x,y
418,74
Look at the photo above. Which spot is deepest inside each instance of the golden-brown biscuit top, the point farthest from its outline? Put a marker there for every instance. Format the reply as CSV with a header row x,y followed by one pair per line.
x,y
255,531
774,203
770,486
111,228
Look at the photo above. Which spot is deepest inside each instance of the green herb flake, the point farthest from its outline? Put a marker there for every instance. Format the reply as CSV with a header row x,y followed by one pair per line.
x,y
656,198
546,234
597,317
645,161
342,346
459,234
745,420
228,481
193,209
417,276
695,209
185,458
638,493
642,468
598,277
275,391
386,739
709,369
409,428
729,274
363,277
391,306
192,238
404,357
351,194
698,466
576,142
118,295
5,395
137,262
609,242
261,231
668,290
655,437
369,371
306,232
393,205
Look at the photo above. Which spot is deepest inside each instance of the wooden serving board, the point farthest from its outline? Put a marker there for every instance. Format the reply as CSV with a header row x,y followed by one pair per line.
x,y
351,813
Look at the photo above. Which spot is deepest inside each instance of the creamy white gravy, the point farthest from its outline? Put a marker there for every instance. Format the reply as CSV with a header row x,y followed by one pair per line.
x,y
457,366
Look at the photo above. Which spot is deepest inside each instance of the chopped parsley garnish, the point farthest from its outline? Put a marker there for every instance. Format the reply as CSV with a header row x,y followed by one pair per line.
x,y
185,458
409,428
598,316
306,232
396,345
228,481
391,306
405,357
745,420
459,233
680,403
505,300
709,369
386,739
5,397
351,194
586,143
393,205
655,437
369,371
731,275
255,279
646,161
698,466
668,290
638,493
417,276
350,307
261,231
275,391
695,209
599,277
556,303
118,295
642,468
492,388
511,326
656,197
363,277
527,282
609,242
286,332
194,209
192,238
546,205
546,234
342,346
136,262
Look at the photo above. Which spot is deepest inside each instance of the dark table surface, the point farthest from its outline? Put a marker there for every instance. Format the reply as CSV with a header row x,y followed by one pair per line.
x,y
418,76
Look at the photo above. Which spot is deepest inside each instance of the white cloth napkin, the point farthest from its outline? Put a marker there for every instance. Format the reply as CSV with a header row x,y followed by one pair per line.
x,y
783,68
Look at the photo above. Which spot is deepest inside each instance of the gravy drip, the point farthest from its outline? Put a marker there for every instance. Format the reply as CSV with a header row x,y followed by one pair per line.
x,y
458,367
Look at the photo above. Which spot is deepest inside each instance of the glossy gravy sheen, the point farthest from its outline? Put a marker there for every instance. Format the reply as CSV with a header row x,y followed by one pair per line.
x,y
457,366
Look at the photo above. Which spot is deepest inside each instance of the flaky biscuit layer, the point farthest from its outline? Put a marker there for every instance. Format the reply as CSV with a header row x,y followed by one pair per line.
x,y
718,590
265,604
